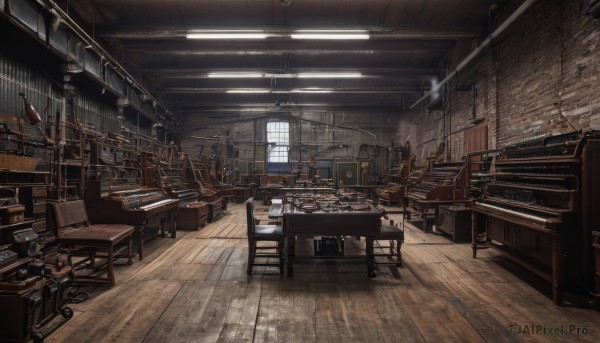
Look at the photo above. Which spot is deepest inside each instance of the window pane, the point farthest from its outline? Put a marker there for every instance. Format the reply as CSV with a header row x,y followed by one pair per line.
x,y
278,133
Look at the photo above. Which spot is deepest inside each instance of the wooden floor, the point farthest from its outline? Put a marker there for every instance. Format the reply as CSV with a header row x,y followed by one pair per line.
x,y
195,289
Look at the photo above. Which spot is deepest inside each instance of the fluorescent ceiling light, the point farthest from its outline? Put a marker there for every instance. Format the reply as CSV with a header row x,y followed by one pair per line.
x,y
225,75
330,34
228,34
248,91
311,90
257,74
329,75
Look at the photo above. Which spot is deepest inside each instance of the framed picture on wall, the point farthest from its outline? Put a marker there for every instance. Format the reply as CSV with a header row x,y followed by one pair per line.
x,y
347,173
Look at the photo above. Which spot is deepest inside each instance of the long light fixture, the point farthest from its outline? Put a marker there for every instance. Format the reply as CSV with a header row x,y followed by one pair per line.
x,y
329,75
280,91
254,90
235,75
261,34
311,90
314,75
331,34
228,34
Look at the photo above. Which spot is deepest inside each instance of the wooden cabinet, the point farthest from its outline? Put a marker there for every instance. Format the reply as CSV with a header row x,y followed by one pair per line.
x,y
456,222
192,216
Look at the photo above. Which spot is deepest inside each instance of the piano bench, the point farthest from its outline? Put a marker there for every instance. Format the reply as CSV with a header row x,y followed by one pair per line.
x,y
115,240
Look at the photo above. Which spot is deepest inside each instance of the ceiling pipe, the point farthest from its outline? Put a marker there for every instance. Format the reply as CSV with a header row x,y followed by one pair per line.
x,y
64,17
526,5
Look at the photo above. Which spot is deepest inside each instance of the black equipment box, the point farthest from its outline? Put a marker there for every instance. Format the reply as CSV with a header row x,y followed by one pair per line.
x,y
26,242
329,246
456,222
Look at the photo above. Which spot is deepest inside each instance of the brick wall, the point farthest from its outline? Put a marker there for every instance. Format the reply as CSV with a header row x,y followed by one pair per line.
x,y
541,77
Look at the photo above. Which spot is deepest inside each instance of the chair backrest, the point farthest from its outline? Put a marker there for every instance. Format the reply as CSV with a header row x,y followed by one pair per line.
x,y
250,216
70,214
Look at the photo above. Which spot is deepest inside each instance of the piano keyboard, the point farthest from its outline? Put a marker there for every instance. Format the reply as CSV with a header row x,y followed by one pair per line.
x,y
517,213
154,204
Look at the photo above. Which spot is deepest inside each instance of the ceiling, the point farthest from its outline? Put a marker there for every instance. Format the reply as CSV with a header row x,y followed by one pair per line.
x,y
409,41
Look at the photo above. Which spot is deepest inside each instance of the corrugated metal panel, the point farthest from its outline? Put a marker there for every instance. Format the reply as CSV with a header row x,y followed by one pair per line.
x,y
93,110
25,12
93,64
43,93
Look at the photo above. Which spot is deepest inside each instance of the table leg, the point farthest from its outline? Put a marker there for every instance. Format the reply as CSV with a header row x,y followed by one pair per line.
x,y
474,232
140,242
290,254
370,257
173,226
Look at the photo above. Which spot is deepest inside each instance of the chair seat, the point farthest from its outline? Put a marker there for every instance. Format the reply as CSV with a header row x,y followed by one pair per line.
x,y
105,233
391,232
268,230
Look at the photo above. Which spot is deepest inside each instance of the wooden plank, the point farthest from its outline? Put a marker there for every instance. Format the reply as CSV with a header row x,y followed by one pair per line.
x,y
122,317
439,318
268,310
241,314
195,289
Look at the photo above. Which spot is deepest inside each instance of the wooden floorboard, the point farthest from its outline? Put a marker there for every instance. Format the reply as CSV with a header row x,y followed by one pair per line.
x,y
195,289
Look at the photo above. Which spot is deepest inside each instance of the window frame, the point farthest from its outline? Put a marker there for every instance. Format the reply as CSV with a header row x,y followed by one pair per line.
x,y
280,135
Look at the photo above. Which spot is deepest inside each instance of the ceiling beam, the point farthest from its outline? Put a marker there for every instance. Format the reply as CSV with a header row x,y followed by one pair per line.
x,y
199,90
202,73
270,108
158,50
178,32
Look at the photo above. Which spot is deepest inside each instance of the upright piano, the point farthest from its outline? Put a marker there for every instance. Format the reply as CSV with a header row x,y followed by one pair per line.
x,y
442,183
537,208
148,209
176,190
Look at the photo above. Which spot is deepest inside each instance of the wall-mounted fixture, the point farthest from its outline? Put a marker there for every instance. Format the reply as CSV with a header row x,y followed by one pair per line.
x,y
34,118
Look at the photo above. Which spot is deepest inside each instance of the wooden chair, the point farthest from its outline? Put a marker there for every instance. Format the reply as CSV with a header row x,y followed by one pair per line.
x,y
395,237
74,232
261,233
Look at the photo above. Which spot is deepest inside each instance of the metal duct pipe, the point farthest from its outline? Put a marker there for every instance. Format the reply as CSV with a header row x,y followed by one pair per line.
x,y
64,17
526,5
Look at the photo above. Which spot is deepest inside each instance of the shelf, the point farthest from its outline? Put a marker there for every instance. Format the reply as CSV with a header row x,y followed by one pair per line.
x,y
8,226
3,170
